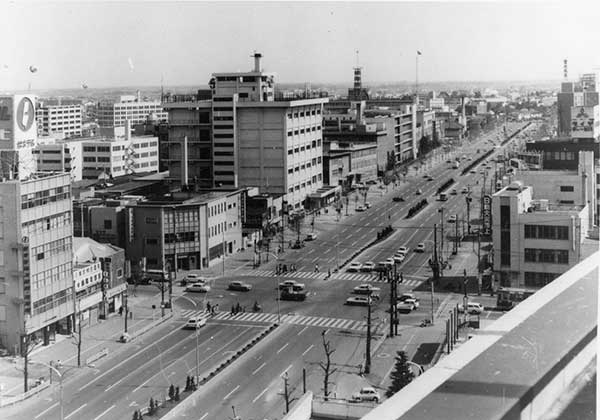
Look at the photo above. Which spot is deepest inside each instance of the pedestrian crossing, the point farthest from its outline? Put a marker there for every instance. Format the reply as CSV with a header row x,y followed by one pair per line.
x,y
310,321
411,281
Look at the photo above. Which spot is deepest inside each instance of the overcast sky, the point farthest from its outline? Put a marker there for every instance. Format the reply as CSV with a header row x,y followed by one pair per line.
x,y
134,43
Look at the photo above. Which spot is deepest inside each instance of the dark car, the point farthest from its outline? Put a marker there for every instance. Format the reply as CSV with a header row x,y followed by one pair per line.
x,y
398,199
290,294
239,286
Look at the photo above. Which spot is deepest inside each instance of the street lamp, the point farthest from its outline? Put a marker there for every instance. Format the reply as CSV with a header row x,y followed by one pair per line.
x,y
277,290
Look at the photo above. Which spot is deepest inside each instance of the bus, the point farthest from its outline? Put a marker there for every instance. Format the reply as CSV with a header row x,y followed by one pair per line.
x,y
509,297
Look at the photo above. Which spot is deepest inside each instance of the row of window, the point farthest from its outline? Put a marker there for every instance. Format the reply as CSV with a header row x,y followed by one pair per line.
x,y
552,256
217,229
180,237
534,279
40,198
53,248
48,223
559,155
303,113
304,166
51,276
302,130
50,302
546,232
308,183
298,149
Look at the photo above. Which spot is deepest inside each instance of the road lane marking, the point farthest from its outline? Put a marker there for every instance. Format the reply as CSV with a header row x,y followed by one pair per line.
x,y
308,349
204,416
259,368
75,411
258,396
46,410
302,330
286,369
232,391
284,346
105,411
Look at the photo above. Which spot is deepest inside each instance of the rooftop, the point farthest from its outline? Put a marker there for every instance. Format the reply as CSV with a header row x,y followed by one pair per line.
x,y
86,249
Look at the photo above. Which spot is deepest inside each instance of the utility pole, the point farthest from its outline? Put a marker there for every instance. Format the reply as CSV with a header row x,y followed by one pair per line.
x,y
441,211
283,212
393,301
285,393
368,349
468,200
455,236
478,263
126,309
162,298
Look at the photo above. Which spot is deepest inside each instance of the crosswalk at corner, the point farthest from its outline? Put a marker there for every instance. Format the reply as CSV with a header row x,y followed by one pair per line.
x,y
261,317
411,281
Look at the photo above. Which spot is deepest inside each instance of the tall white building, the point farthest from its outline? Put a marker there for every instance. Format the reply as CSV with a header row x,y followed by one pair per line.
x,y
129,107
57,120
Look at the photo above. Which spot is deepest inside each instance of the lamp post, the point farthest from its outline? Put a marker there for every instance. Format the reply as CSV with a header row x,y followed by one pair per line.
x,y
277,289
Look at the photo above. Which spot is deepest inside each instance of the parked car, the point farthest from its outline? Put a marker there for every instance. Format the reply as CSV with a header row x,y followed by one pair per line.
x,y
368,266
291,294
472,308
465,190
472,171
239,286
365,289
358,301
402,250
354,267
291,284
430,178
418,192
453,191
311,236
195,322
366,394
398,198
452,218
368,205
420,247
199,287
398,258
361,208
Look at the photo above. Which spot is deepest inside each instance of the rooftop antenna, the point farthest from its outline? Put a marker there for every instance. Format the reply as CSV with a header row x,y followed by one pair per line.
x,y
357,74
162,89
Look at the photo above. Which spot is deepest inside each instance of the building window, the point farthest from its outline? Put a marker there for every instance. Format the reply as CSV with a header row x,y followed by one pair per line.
x,y
107,224
566,188
151,220
151,241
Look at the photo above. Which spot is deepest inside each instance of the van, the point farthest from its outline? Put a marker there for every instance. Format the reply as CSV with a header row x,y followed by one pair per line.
x,y
472,308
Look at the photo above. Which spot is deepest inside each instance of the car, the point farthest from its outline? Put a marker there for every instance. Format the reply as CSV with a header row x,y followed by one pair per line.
x,y
406,306
358,301
453,191
195,322
469,158
368,266
291,284
291,294
472,308
425,176
398,258
398,198
368,205
465,190
418,192
239,286
402,250
366,394
430,178
361,208
365,289
472,171
311,236
414,302
199,287
354,267
371,182
405,296
452,218
449,161
420,247
194,278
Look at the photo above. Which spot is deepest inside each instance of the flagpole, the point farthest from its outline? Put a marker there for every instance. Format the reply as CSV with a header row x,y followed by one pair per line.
x,y
417,78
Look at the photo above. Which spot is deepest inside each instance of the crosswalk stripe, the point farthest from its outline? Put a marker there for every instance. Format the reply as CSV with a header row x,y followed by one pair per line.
x,y
221,315
330,323
271,318
339,323
303,320
290,319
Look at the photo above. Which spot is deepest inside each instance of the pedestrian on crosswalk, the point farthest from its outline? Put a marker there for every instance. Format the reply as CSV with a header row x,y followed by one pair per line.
x,y
232,309
208,308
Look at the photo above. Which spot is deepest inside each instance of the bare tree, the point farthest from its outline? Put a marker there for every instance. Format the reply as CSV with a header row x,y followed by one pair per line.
x,y
28,344
327,370
77,337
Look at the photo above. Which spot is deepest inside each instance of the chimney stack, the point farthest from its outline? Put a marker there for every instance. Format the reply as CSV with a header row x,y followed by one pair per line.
x,y
257,57
184,164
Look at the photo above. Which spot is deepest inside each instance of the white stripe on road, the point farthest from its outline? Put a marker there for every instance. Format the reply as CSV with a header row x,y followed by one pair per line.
x,y
204,416
232,391
105,411
308,349
46,410
259,368
75,411
302,330
284,346
258,396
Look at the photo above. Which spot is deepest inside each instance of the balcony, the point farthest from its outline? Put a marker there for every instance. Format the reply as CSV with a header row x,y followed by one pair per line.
x,y
519,365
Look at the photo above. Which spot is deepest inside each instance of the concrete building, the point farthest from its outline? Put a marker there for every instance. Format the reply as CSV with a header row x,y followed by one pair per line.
x,y
35,259
578,112
186,231
129,108
18,136
91,157
351,164
534,240
244,136
59,120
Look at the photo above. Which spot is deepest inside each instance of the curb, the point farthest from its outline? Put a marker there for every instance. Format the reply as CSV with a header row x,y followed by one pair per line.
x,y
148,327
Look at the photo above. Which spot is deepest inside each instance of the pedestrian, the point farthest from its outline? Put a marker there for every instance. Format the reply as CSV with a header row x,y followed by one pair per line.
x,y
232,309
120,311
316,268
290,245
329,272
238,308
208,308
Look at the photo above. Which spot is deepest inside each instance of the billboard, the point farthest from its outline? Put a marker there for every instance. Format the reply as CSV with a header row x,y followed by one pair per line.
x,y
486,211
18,128
585,121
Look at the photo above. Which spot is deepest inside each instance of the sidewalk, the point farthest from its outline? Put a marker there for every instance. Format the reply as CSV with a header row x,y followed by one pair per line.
x,y
96,339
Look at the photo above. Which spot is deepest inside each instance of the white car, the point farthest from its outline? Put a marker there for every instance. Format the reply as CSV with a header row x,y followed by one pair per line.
x,y
420,247
402,250
389,262
293,284
195,278
472,308
366,394
195,322
365,289
354,266
311,236
452,218
368,205
358,300
398,258
199,287
361,208
368,266
406,306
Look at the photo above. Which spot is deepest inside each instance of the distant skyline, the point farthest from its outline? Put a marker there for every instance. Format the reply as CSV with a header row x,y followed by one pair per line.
x,y
138,43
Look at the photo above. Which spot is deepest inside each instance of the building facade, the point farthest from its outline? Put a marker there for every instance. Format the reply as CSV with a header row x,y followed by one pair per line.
x,y
129,108
59,120
36,258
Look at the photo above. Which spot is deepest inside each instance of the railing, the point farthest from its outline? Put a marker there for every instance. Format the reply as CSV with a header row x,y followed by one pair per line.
x,y
517,366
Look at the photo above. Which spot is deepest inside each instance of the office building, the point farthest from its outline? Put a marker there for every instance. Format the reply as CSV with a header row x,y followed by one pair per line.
x,y
129,108
352,164
240,134
59,120
18,136
578,112
535,240
35,259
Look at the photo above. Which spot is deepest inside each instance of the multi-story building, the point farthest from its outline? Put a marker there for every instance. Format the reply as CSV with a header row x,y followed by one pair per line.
x,y
187,231
18,136
578,112
129,108
59,120
348,165
35,259
90,157
242,135
534,240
